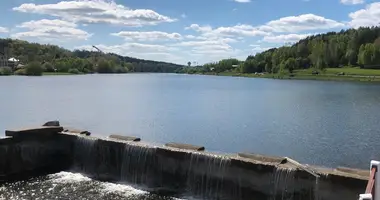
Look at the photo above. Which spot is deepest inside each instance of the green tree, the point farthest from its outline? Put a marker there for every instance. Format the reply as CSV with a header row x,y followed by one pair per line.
x,y
290,64
48,67
5,71
34,69
104,67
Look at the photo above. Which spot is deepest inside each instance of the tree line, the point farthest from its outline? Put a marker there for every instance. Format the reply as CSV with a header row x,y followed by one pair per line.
x,y
352,47
38,58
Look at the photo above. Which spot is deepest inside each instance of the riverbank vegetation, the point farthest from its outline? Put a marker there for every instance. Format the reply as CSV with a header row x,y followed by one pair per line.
x,y
348,54
38,59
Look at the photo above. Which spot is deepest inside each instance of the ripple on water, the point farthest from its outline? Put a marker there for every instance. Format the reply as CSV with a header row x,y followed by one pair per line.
x,y
72,186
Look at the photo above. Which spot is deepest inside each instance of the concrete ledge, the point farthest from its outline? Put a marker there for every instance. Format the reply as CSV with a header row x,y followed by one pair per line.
x,y
77,131
41,131
185,146
262,158
6,140
125,138
52,123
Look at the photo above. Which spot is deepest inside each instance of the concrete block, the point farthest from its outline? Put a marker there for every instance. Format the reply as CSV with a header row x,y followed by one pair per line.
x,y
125,138
262,158
77,131
52,123
6,140
40,131
185,146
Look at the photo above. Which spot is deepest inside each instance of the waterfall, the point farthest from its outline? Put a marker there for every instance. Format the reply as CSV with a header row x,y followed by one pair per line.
x,y
138,164
205,176
85,155
283,184
114,161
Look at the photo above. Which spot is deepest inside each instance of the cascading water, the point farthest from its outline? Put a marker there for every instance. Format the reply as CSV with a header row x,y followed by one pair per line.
x,y
205,176
283,184
122,162
138,164
85,155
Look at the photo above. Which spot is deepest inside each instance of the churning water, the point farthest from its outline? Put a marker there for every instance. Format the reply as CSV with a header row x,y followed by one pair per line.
x,y
72,186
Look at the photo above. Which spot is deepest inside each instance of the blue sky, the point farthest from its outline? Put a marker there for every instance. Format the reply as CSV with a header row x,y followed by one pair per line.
x,y
177,30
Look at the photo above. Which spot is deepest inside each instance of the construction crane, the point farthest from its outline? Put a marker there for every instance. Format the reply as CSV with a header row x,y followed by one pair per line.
x,y
95,57
100,51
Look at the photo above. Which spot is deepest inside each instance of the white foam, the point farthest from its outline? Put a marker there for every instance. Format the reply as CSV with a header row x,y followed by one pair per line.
x,y
120,189
68,177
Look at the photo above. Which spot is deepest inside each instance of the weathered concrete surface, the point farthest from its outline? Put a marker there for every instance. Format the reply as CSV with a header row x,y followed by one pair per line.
x,y
125,138
32,152
185,146
35,132
77,131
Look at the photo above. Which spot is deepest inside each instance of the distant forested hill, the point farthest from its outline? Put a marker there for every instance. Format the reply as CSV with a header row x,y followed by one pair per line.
x,y
55,58
347,48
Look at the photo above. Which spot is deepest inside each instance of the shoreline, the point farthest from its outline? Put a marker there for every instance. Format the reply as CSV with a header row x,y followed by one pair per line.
x,y
321,77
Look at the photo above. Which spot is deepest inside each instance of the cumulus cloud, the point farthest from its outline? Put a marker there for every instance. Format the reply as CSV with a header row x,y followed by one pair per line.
x,y
301,23
352,2
148,36
3,30
46,29
221,32
287,38
258,48
369,16
96,11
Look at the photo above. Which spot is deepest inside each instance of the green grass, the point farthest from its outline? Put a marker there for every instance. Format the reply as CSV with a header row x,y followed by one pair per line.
x,y
347,70
56,73
329,74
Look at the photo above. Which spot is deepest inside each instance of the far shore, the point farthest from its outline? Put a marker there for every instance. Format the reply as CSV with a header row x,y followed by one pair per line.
x,y
330,74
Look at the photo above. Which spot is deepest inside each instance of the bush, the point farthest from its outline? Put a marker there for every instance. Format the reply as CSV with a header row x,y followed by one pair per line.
x,y
121,70
5,71
48,67
34,69
74,71
104,67
20,72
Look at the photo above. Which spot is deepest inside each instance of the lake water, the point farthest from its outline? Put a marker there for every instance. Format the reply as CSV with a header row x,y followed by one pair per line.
x,y
324,123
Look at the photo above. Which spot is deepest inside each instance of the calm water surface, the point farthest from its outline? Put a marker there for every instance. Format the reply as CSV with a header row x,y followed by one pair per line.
x,y
324,123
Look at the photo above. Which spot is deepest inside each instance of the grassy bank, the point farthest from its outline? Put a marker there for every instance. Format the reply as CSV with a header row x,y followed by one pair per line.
x,y
330,74
57,73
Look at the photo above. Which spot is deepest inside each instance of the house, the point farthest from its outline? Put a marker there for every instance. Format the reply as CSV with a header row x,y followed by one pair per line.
x,y
13,62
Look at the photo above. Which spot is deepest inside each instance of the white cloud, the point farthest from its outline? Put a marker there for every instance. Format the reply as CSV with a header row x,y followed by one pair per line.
x,y
258,48
148,36
287,38
96,11
243,1
369,16
46,23
183,15
301,23
221,32
51,29
352,2
4,30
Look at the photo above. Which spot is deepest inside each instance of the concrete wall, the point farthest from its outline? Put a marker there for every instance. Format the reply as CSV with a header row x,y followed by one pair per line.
x,y
175,171
32,152
209,175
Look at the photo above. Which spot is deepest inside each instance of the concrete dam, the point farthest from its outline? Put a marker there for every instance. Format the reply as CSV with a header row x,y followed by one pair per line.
x,y
171,169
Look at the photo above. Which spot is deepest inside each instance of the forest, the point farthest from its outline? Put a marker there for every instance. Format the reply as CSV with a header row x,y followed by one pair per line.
x,y
39,58
358,48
